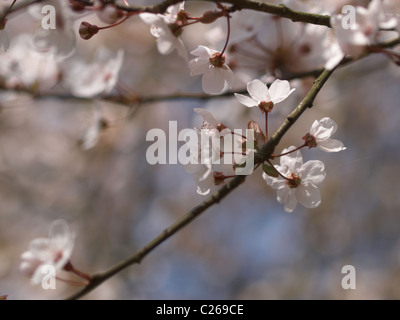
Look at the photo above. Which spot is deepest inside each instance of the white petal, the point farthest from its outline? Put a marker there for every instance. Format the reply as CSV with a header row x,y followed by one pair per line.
x,y
309,196
181,49
312,172
40,248
288,196
149,18
331,145
165,46
258,91
228,75
248,102
203,52
275,183
280,90
292,161
38,275
283,194
207,116
198,66
213,81
60,234
323,129
335,58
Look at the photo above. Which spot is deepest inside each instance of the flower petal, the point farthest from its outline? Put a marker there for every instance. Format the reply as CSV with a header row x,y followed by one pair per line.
x,y
165,44
280,90
275,183
258,91
309,196
323,129
213,81
149,18
292,161
331,145
60,234
248,102
207,116
288,196
198,66
203,52
312,171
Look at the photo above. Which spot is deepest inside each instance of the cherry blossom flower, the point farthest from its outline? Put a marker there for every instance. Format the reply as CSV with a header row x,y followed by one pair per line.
x,y
167,28
320,136
55,250
354,36
99,77
212,125
200,163
217,76
263,97
301,181
22,67
62,40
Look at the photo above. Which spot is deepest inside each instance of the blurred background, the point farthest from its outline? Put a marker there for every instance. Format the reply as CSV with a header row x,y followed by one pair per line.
x,y
246,247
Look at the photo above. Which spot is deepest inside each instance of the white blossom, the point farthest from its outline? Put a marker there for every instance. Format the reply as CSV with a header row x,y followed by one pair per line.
x,y
55,250
167,31
301,183
88,80
262,96
217,76
320,136
23,67
61,40
354,36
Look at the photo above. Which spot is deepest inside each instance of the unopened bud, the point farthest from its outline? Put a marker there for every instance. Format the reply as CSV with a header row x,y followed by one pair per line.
x,y
76,5
87,30
210,16
219,178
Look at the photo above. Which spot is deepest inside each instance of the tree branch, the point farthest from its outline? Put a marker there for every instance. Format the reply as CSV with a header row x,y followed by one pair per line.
x,y
97,279
279,10
263,155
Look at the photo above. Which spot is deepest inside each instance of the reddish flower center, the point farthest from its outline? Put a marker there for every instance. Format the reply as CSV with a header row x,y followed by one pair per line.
x,y
310,140
176,29
217,60
266,106
294,181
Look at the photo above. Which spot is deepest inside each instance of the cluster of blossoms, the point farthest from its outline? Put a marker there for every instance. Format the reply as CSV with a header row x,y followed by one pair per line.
x,y
298,182
294,181
251,45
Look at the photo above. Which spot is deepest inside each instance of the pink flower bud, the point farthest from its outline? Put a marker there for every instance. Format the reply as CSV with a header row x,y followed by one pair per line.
x,y
210,16
87,30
